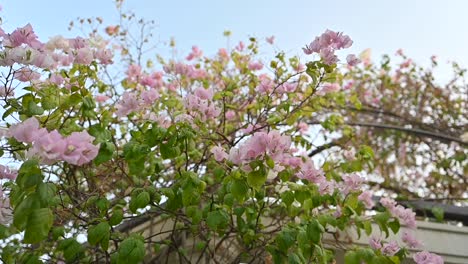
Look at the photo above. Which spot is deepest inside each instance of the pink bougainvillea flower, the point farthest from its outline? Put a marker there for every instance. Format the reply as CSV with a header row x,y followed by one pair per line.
x,y
7,173
255,65
425,257
410,240
390,248
366,198
27,131
79,148
219,153
352,60
375,243
270,39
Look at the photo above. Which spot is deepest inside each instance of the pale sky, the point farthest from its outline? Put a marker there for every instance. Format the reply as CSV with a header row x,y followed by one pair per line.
x,y
421,27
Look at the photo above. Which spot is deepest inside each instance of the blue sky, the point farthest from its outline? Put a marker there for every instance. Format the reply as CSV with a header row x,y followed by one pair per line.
x,y
421,27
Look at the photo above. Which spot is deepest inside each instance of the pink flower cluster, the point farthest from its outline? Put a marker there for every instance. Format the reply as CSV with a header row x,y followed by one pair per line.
x,y
410,240
406,215
271,143
135,101
77,148
200,104
425,257
22,46
186,70
389,249
327,44
266,84
195,54
7,173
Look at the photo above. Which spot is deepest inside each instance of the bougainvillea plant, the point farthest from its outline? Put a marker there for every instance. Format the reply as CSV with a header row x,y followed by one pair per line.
x,y
217,144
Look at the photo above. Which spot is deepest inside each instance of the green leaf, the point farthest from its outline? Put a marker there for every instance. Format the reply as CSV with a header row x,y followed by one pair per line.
x,y
314,231
257,178
72,250
351,257
39,223
394,226
30,108
285,239
366,254
131,250
117,217
270,162
106,151
23,210
239,189
287,198
140,201
368,227
438,213
99,234
293,258
217,220
29,174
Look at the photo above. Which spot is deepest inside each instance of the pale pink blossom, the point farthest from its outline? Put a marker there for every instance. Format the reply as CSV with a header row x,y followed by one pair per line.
x,y
80,148
101,98
309,172
50,147
7,173
375,243
195,54
133,72
351,183
270,39
240,46
366,198
27,131
24,35
352,60
84,56
25,75
410,240
303,127
149,96
255,65
219,153
329,88
230,115
425,257
390,248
